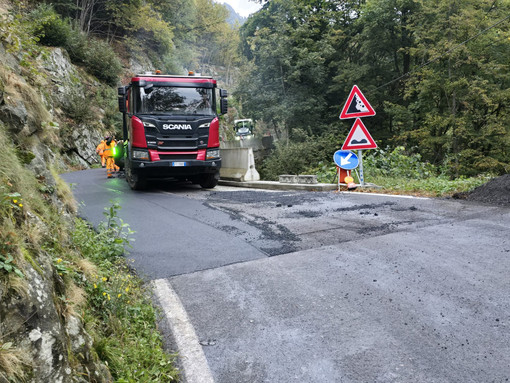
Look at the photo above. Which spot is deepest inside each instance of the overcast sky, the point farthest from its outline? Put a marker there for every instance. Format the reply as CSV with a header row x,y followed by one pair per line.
x,y
243,7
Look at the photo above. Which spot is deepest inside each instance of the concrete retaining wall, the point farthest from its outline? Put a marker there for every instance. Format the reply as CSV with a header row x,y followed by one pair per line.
x,y
255,143
238,165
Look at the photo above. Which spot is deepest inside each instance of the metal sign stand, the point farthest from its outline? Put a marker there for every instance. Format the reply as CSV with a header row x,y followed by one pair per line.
x,y
361,176
358,138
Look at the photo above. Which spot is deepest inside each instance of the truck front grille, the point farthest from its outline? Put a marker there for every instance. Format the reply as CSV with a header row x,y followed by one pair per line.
x,y
180,143
177,156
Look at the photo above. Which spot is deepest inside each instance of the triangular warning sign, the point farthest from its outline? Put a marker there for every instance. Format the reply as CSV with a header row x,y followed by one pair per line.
x,y
356,105
359,138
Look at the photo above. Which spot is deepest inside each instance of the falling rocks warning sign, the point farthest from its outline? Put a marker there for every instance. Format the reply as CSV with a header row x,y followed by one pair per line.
x,y
356,105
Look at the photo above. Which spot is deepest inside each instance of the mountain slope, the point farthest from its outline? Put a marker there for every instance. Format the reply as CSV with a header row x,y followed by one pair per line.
x,y
234,18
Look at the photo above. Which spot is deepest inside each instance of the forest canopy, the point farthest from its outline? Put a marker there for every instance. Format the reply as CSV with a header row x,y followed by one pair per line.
x,y
436,72
177,35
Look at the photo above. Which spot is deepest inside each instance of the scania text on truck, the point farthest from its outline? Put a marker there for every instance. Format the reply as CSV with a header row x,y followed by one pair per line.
x,y
171,129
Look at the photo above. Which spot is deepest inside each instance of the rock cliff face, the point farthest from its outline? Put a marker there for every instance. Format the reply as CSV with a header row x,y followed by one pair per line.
x,y
35,331
38,111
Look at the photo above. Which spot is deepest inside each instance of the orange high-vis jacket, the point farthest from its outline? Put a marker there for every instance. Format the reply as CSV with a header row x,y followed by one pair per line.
x,y
108,150
101,147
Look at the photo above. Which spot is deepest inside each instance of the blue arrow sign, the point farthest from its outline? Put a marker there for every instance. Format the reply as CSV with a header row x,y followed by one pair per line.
x,y
346,159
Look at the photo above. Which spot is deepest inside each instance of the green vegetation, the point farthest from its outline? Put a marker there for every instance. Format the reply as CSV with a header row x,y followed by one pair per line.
x,y
395,171
175,34
403,172
119,314
436,72
434,186
400,172
92,279
296,156
97,56
114,304
12,363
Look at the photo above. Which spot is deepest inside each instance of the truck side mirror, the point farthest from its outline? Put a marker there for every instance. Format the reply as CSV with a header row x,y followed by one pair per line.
x,y
121,91
223,93
122,104
223,106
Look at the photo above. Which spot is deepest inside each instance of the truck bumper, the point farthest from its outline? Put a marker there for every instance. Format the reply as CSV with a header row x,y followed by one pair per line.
x,y
177,168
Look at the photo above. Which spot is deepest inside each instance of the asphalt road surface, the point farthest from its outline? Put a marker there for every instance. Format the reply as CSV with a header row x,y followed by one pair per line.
x,y
325,287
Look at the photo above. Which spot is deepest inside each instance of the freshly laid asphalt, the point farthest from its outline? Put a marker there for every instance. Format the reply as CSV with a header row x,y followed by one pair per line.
x,y
166,227
283,286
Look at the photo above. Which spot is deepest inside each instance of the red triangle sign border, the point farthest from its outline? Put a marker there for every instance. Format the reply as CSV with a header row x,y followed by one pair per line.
x,y
369,145
356,91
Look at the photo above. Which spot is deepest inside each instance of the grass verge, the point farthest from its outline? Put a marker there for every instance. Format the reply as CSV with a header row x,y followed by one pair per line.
x,y
119,315
434,186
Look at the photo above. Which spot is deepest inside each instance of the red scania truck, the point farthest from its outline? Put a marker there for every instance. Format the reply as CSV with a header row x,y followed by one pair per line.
x,y
171,129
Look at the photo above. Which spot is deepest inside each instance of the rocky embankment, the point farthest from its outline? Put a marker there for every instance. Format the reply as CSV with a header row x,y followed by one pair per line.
x,y
41,338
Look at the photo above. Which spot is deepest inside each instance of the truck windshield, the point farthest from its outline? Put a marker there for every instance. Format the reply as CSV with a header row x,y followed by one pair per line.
x,y
245,125
174,100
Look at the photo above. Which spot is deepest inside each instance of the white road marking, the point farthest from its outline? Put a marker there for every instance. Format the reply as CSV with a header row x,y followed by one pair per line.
x,y
194,364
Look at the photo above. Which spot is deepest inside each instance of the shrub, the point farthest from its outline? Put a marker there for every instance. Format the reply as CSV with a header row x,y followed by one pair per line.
x,y
102,61
76,46
49,27
107,98
120,315
77,106
299,157
398,163
97,56
17,36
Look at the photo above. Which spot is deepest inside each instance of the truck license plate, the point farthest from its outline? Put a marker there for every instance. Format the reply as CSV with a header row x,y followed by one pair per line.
x,y
178,163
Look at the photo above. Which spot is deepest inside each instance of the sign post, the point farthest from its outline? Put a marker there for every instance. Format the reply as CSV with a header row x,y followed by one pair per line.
x,y
358,138
361,176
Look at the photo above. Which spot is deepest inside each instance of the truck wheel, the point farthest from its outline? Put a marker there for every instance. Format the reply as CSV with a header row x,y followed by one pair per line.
x,y
135,180
208,181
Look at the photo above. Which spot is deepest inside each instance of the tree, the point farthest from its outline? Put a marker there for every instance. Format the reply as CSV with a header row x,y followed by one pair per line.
x,y
460,97
288,44
436,71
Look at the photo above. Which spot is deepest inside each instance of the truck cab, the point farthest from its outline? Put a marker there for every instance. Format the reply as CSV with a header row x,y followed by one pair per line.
x,y
171,129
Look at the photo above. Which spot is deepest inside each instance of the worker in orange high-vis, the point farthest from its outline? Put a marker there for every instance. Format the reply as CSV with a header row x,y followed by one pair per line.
x,y
110,161
100,151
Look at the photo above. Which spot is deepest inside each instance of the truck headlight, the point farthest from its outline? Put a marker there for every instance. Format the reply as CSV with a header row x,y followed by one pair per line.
x,y
140,155
148,124
212,153
206,125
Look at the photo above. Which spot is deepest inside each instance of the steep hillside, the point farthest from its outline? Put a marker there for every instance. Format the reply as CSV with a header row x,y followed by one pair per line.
x,y
62,315
40,335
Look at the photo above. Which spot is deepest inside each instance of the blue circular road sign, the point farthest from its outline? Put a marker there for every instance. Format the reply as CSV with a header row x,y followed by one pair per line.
x,y
346,159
